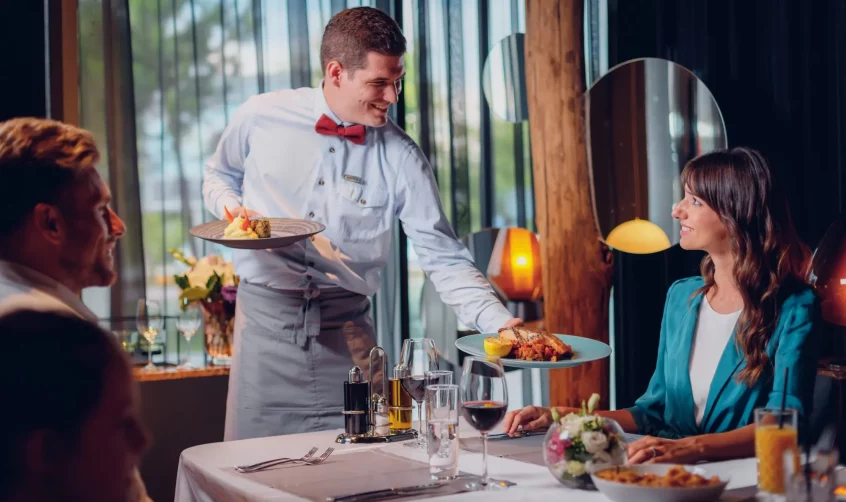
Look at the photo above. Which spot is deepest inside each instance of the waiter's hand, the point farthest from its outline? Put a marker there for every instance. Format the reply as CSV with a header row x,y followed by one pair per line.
x,y
239,211
514,322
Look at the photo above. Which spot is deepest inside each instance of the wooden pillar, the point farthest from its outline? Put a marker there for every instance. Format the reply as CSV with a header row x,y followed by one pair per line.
x,y
64,62
577,267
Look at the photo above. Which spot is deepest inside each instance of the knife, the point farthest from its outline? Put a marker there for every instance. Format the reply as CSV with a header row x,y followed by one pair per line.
x,y
414,490
382,439
387,493
519,434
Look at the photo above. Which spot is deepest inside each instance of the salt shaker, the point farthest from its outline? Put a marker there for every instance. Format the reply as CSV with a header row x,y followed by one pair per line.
x,y
381,422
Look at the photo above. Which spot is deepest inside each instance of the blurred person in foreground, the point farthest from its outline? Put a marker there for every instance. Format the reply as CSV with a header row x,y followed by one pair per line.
x,y
74,434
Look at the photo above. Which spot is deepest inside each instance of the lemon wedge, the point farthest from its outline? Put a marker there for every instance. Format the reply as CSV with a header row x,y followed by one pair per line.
x,y
498,347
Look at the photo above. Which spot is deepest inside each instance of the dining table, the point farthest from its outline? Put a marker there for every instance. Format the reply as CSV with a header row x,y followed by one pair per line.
x,y
206,472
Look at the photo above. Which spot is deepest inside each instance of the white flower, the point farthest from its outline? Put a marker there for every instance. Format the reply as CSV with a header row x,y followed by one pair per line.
x,y
205,267
575,468
593,402
601,458
572,424
594,441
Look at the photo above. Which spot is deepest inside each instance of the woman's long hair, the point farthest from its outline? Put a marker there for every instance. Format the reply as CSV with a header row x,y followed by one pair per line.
x,y
771,261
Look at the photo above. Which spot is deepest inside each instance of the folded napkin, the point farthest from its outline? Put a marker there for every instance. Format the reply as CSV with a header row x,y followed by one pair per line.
x,y
347,474
526,449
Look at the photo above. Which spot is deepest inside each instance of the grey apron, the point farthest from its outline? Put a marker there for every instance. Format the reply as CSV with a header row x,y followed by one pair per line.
x,y
293,352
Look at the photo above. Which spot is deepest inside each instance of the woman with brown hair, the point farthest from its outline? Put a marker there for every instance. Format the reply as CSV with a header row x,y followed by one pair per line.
x,y
728,336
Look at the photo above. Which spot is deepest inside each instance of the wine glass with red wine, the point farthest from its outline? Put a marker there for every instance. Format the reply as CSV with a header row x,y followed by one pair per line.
x,y
418,358
484,401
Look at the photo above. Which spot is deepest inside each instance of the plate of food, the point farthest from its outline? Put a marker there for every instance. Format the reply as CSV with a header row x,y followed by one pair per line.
x,y
522,347
243,232
659,483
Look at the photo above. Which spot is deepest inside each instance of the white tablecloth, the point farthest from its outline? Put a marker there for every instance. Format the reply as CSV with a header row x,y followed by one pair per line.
x,y
201,478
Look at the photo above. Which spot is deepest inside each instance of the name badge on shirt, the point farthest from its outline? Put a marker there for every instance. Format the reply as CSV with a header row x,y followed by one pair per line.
x,y
354,179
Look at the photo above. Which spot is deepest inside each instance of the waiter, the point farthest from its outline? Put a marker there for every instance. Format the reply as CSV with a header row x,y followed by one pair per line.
x,y
331,155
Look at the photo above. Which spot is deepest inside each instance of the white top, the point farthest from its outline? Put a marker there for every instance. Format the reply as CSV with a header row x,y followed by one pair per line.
x,y
713,332
271,160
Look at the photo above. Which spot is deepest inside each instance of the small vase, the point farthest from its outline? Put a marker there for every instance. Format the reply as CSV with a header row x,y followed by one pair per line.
x,y
219,329
566,454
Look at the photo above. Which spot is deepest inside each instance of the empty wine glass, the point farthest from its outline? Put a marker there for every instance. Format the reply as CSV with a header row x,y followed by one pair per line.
x,y
149,322
187,324
418,358
484,401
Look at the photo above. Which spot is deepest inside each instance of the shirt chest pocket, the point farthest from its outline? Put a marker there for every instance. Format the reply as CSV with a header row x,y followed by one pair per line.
x,y
364,211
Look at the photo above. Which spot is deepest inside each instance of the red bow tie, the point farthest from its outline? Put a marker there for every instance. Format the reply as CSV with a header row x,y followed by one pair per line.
x,y
328,127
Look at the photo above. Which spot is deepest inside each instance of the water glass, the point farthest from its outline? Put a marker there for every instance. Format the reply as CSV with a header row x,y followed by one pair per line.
x,y
776,432
822,477
439,377
442,430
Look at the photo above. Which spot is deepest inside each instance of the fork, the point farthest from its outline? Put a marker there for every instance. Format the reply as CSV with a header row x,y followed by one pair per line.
x,y
315,461
304,458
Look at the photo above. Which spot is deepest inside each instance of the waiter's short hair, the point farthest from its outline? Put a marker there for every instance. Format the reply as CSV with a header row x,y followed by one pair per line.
x,y
58,390
352,33
39,161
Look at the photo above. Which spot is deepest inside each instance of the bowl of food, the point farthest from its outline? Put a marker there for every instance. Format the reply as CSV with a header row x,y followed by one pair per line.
x,y
659,483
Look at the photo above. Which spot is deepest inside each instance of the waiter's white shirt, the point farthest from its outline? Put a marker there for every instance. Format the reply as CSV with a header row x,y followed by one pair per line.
x,y
271,160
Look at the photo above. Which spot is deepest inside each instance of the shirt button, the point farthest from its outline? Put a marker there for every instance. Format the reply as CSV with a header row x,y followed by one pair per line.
x,y
311,214
363,202
321,183
332,149
313,238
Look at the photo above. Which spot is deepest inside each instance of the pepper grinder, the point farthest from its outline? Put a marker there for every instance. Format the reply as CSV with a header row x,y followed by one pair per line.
x,y
356,403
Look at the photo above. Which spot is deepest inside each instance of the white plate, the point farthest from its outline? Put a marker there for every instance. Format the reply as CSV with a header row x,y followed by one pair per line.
x,y
622,492
584,350
283,232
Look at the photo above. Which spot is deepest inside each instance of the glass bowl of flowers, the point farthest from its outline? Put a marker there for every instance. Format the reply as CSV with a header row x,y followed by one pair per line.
x,y
578,444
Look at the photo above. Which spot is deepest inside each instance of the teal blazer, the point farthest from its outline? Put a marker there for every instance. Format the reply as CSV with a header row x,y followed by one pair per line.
x,y
666,409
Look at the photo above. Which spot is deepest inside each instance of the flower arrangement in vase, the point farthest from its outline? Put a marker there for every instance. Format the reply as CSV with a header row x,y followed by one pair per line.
x,y
211,282
578,444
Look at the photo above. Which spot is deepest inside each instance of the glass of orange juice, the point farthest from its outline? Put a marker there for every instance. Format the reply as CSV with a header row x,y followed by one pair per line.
x,y
776,431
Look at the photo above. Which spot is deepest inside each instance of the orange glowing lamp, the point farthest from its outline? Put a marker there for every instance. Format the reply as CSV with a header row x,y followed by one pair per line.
x,y
515,266
828,273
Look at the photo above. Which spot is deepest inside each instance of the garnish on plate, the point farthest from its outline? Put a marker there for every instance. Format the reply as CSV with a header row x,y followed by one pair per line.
x,y
242,227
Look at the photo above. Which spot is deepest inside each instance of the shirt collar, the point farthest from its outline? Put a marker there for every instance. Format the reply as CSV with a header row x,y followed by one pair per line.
x,y
321,107
24,276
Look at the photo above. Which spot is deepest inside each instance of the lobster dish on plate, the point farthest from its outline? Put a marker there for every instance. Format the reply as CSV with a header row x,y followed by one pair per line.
x,y
528,344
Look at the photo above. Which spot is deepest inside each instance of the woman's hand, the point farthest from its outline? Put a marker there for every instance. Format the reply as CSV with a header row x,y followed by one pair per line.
x,y
530,417
652,450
